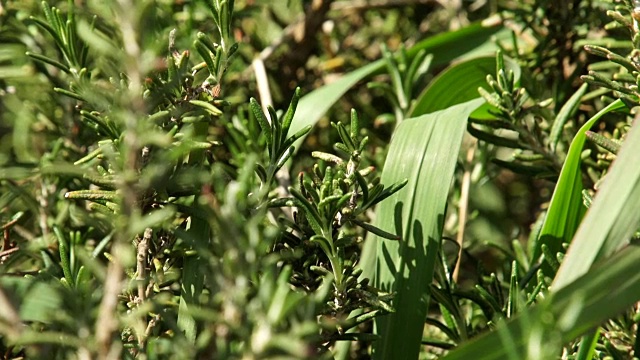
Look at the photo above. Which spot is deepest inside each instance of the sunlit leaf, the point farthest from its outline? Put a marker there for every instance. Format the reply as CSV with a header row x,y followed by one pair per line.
x,y
421,151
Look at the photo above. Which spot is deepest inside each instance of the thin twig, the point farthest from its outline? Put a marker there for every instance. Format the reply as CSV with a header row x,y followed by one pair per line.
x,y
142,338
152,323
141,270
263,86
8,252
107,323
463,207
128,27
6,241
9,224
282,176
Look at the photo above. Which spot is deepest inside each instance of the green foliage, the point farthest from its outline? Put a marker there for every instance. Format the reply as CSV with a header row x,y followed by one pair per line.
x,y
565,209
149,210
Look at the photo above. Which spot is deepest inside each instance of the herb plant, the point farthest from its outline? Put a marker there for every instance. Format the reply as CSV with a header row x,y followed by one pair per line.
x,y
212,179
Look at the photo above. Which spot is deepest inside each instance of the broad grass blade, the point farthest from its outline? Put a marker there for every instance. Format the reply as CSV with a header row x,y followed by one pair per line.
x,y
424,150
445,47
460,83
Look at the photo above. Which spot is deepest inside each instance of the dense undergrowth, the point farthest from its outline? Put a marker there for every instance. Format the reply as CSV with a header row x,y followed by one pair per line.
x,y
319,179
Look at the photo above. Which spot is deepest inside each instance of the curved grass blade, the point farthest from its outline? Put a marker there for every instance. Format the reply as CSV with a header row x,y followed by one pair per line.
x,y
566,208
613,217
567,110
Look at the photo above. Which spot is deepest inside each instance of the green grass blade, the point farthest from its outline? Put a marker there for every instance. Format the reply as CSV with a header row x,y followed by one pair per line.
x,y
566,208
445,47
593,294
587,347
566,112
460,83
460,43
314,105
612,218
589,306
423,150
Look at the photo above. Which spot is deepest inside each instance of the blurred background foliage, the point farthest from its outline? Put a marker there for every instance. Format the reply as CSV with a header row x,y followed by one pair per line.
x,y
305,44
